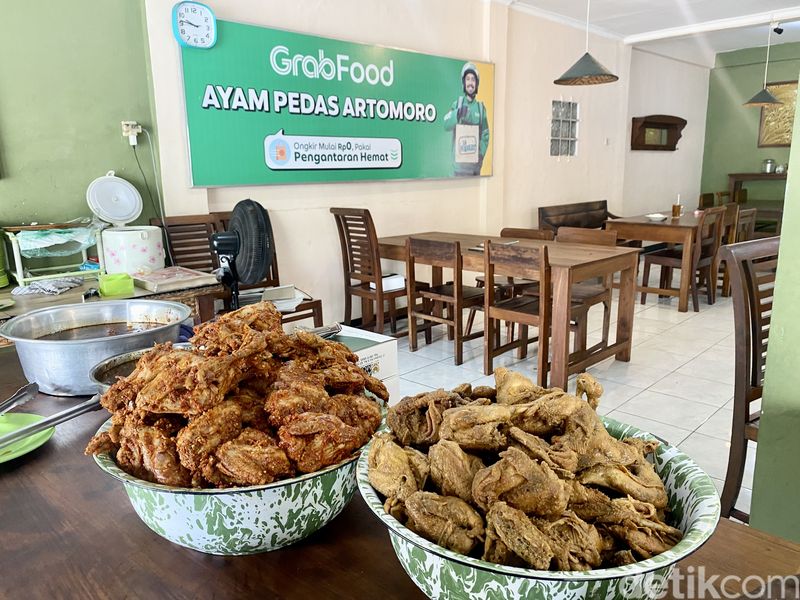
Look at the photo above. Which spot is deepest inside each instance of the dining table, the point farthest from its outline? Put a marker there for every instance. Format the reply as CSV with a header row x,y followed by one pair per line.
x,y
69,531
673,230
569,264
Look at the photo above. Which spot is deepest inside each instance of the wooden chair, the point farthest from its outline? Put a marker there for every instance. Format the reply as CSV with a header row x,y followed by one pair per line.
x,y
454,296
509,286
704,257
731,225
188,237
592,215
752,266
587,294
361,266
706,200
746,224
516,261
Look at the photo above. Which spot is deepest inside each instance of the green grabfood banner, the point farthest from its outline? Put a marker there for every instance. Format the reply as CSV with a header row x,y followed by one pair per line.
x,y
266,106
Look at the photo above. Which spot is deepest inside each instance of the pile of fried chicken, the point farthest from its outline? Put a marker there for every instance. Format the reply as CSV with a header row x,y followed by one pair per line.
x,y
522,476
246,405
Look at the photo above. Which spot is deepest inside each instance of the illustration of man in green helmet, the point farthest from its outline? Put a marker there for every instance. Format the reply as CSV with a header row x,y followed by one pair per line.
x,y
467,120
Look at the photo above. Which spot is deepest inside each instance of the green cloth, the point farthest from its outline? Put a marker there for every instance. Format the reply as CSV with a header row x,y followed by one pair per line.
x,y
473,112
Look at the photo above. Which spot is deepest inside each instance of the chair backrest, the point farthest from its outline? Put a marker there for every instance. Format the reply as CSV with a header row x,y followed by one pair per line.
x,y
731,222
709,238
360,256
578,214
578,235
706,200
527,262
436,254
752,265
746,225
545,235
188,237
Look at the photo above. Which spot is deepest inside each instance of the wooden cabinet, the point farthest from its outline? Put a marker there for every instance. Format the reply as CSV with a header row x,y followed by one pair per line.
x,y
656,132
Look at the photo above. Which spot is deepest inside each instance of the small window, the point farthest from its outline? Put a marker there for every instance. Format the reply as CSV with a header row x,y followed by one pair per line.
x,y
564,129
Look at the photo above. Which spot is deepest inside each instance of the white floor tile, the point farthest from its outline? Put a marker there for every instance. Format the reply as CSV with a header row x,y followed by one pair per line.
x,y
411,361
669,433
648,356
621,372
718,425
411,388
615,394
695,389
671,410
707,366
443,375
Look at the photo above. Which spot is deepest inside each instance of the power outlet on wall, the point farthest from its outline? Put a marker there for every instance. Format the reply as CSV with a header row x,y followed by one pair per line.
x,y
131,129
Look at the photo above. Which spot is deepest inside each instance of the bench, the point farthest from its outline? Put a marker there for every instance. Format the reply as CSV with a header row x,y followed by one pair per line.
x,y
588,215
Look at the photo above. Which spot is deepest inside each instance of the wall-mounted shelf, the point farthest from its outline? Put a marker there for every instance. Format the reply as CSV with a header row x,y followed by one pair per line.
x,y
656,132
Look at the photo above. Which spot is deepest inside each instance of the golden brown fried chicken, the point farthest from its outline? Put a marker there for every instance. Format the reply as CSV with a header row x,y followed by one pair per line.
x,y
416,419
519,535
452,469
496,551
315,440
576,544
562,460
522,483
444,520
239,328
148,453
394,471
637,524
252,404
253,458
515,388
638,480
206,432
587,385
296,391
122,394
477,427
357,411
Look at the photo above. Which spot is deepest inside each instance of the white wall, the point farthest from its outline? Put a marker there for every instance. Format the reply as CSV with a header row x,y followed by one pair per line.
x,y
662,86
528,51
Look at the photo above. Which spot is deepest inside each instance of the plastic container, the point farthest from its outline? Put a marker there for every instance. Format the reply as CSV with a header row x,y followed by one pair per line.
x,y
116,284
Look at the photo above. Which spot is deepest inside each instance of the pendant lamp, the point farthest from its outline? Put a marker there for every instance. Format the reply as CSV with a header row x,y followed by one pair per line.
x,y
764,98
587,71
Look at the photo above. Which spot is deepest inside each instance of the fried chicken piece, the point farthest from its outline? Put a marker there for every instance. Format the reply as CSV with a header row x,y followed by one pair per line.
x,y
588,503
394,471
496,551
357,411
252,404
315,440
563,461
417,419
319,351
519,535
122,394
206,432
239,328
638,480
515,388
637,524
477,427
484,391
587,385
452,469
576,544
188,383
101,444
253,458
149,454
522,483
444,520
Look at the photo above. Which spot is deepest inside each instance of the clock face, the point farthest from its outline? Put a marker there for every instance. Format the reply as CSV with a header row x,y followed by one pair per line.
x,y
194,24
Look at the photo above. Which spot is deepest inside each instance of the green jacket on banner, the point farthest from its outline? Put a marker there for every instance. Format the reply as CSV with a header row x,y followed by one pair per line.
x,y
467,120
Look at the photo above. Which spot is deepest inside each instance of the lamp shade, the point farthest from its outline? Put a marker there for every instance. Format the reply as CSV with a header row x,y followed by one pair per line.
x,y
763,98
587,71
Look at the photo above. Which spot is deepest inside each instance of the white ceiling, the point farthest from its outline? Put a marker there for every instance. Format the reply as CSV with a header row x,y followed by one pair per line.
x,y
692,30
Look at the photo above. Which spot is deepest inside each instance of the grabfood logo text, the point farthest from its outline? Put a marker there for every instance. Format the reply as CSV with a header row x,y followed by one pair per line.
x,y
323,67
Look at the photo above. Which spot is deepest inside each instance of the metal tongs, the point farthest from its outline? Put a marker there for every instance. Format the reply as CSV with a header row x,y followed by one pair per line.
x,y
326,332
89,405
20,397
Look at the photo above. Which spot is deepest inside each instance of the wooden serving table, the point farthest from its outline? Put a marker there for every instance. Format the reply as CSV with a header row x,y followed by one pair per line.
x,y
69,531
570,263
679,230
735,180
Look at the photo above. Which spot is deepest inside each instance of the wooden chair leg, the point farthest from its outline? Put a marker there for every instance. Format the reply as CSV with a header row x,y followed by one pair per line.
x,y
606,321
582,332
470,321
488,344
733,478
522,350
348,308
412,326
645,278
393,315
450,311
457,313
695,295
427,307
379,316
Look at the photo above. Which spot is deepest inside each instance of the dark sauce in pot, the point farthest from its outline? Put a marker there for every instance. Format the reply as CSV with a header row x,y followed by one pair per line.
x,y
102,330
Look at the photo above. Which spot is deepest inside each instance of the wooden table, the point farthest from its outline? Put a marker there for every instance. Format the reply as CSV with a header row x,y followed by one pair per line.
x,y
69,531
570,263
681,230
735,180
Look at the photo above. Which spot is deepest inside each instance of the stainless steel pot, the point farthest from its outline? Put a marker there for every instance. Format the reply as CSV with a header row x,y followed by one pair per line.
x,y
61,366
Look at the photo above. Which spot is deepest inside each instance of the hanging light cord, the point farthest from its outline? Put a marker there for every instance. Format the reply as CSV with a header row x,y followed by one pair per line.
x,y
588,3
766,65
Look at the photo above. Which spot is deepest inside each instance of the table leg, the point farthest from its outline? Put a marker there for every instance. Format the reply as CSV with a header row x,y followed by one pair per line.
x,y
436,279
686,271
559,344
627,298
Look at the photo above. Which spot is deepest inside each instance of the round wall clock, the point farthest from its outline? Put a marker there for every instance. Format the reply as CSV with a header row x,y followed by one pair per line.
x,y
194,25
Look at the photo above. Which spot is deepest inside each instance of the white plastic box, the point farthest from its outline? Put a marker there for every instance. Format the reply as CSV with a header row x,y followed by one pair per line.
x,y
377,355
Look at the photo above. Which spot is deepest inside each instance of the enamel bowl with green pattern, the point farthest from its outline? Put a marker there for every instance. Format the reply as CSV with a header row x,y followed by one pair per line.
x,y
441,573
243,520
